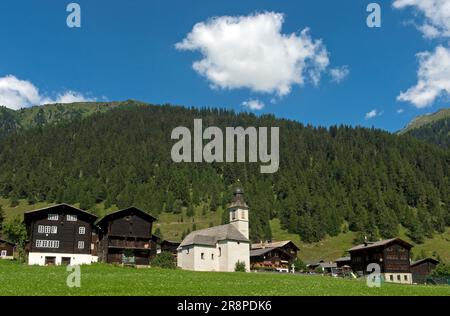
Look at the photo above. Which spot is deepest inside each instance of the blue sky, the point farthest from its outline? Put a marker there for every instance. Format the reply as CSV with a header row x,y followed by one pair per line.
x,y
126,50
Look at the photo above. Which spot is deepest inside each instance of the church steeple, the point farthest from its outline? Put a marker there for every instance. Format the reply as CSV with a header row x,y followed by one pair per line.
x,y
239,212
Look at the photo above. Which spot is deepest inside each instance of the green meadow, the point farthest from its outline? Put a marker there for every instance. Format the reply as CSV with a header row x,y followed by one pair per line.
x,y
104,280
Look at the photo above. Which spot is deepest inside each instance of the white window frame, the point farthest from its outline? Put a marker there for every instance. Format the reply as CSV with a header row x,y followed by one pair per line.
x,y
81,230
41,229
52,244
54,230
80,244
71,218
52,217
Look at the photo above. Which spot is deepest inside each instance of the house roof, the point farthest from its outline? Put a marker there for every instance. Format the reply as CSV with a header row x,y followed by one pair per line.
x,y
415,263
28,214
260,252
210,236
118,213
273,244
6,242
342,259
381,243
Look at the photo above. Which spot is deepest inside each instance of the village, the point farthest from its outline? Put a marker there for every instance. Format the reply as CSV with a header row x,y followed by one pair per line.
x,y
65,235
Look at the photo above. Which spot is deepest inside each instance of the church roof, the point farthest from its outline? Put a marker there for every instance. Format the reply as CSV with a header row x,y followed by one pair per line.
x,y
238,199
210,236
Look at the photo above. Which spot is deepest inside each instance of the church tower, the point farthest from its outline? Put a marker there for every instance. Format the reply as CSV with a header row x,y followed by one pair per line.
x,y
239,212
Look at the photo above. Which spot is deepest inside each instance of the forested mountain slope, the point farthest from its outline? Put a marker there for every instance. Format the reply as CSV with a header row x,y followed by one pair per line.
x,y
432,128
334,179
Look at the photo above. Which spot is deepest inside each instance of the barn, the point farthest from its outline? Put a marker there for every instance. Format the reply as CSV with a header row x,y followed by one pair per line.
x,y
125,237
6,249
420,269
60,234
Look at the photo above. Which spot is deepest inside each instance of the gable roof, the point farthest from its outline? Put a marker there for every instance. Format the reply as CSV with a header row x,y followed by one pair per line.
x,y
119,213
381,243
27,215
259,252
6,242
274,244
343,259
210,236
432,260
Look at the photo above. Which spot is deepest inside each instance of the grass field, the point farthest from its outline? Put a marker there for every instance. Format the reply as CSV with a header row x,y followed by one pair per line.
x,y
104,280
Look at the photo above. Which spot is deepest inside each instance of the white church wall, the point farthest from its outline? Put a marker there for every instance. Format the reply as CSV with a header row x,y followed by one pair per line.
x,y
237,251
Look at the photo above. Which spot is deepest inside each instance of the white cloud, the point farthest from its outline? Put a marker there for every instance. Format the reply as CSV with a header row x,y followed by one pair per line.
x,y
372,114
339,73
433,78
251,52
400,111
253,104
436,12
16,94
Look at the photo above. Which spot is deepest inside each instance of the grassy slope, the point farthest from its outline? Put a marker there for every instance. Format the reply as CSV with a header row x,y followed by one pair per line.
x,y
101,279
426,119
328,249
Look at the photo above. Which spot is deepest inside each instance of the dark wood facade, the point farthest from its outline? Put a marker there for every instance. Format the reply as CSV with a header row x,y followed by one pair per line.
x,y
423,267
6,249
170,246
392,255
270,258
125,237
60,229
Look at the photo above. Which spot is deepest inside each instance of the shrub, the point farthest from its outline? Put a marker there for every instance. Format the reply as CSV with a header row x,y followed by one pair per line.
x,y
240,266
442,270
164,260
299,265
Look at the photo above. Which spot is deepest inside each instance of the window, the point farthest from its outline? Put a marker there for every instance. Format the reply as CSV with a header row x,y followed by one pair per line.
x,y
81,245
220,252
406,278
202,256
4,253
399,278
47,229
82,230
212,256
47,244
71,218
391,277
52,217
233,215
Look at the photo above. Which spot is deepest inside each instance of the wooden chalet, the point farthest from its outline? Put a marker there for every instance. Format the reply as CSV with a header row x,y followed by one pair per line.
x,y
6,249
59,234
420,269
125,237
273,255
392,255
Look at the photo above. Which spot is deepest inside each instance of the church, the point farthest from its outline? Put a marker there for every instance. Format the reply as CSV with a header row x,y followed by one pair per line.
x,y
219,248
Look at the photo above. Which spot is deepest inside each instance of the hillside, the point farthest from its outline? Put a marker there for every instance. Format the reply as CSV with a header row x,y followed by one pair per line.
x,y
331,180
38,116
426,119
